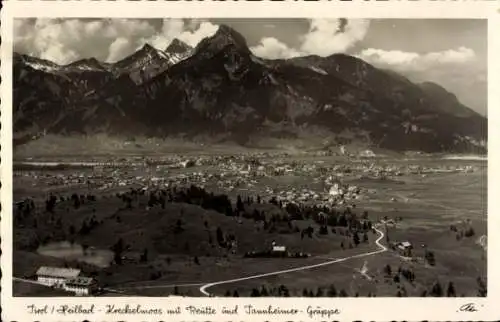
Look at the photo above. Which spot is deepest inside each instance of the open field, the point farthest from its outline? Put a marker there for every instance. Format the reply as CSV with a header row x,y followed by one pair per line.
x,y
172,245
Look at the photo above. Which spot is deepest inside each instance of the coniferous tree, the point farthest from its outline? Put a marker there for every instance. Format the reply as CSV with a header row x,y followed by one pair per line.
x,y
482,288
128,202
178,227
76,203
450,292
144,256
332,292
469,232
429,256
239,204
220,236
437,290
264,291
85,228
355,238
118,249
388,270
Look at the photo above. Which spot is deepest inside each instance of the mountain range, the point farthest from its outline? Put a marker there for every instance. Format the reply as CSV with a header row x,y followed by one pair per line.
x,y
220,89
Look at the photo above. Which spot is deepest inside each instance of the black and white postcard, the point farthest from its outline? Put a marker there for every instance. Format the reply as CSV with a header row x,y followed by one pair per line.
x,y
172,161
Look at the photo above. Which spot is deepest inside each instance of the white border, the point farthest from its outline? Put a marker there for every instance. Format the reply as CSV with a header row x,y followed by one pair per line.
x,y
370,309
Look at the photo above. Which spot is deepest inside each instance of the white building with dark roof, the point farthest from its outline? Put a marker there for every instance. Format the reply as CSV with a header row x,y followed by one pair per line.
x,y
405,248
80,285
279,249
55,276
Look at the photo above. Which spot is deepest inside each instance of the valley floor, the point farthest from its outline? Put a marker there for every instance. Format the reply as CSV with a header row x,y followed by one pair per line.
x,y
443,213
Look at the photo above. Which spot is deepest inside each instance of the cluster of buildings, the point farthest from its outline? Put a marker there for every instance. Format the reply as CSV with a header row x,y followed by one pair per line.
x,y
68,279
239,172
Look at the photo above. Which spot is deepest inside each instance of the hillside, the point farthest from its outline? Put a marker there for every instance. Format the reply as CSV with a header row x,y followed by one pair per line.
x,y
221,88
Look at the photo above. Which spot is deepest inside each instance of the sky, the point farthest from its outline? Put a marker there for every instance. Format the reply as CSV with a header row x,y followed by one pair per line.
x,y
450,52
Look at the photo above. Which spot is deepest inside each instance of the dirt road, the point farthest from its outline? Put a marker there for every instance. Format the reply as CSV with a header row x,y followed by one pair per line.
x,y
381,249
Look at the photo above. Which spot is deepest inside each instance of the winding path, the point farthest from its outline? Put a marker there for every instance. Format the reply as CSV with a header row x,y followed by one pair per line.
x,y
381,249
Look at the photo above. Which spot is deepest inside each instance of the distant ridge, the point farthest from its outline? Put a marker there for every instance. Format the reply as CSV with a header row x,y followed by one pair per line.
x,y
221,89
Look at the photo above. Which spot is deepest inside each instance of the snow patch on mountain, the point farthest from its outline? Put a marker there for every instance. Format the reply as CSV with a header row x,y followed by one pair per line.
x,y
43,67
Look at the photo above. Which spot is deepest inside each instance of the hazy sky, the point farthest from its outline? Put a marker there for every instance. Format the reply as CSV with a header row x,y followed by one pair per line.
x,y
450,52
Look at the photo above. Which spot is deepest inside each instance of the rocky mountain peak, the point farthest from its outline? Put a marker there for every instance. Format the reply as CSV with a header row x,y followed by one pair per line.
x,y
178,47
35,63
148,48
86,64
224,37
146,53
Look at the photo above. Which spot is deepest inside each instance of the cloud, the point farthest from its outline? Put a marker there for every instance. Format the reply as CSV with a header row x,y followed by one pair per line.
x,y
191,32
205,29
272,48
324,37
118,48
458,70
66,40
411,61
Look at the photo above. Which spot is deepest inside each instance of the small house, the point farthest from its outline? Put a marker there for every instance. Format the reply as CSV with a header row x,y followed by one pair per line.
x,y
81,285
367,154
279,249
405,248
188,163
55,276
